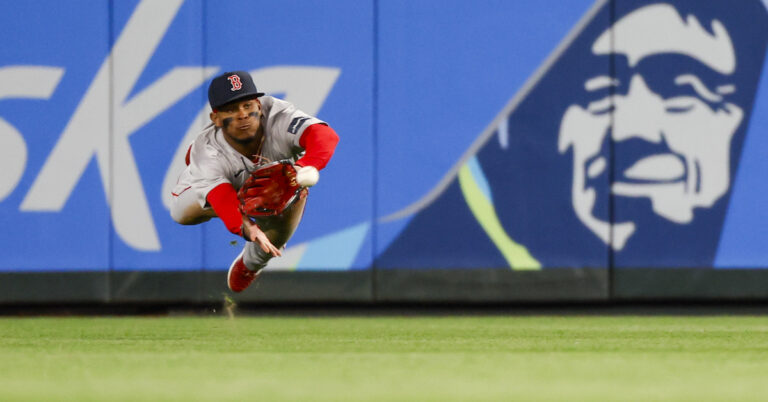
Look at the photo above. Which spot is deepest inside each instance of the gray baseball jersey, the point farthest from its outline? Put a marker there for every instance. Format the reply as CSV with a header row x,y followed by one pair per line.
x,y
212,161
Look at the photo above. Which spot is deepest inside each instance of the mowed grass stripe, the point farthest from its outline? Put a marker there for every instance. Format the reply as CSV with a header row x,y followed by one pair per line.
x,y
385,358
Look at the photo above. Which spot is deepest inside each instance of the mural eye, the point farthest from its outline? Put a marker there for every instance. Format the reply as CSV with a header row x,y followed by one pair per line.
x,y
602,106
680,104
692,86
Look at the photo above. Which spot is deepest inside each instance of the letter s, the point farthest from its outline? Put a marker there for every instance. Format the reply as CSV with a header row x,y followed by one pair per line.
x,y
26,82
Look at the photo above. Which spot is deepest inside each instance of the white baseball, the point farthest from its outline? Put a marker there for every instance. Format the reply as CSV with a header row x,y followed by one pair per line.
x,y
307,176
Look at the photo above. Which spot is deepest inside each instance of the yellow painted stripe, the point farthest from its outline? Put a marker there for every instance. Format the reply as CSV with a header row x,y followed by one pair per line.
x,y
517,256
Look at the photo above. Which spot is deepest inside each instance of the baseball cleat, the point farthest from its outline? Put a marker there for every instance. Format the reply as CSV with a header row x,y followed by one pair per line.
x,y
239,276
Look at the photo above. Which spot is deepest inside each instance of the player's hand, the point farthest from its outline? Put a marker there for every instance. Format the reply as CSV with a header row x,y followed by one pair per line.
x,y
252,232
306,176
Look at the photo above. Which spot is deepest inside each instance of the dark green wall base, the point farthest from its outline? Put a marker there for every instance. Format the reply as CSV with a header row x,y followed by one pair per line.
x,y
390,286
491,285
689,284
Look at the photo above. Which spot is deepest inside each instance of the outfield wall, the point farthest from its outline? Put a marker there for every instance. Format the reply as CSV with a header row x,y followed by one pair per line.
x,y
490,151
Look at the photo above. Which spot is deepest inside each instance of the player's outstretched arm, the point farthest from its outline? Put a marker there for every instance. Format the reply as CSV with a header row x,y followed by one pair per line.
x,y
252,232
223,199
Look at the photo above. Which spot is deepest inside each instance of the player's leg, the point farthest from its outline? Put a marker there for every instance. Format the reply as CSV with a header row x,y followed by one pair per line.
x,y
247,266
186,209
279,230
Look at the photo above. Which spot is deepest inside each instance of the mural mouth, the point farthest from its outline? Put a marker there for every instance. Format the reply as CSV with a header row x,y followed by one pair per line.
x,y
659,176
655,169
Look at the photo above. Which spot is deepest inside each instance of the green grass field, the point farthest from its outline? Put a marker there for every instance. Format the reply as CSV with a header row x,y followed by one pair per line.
x,y
388,358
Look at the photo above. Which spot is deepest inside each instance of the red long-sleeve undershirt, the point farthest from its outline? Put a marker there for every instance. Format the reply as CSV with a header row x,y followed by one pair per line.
x,y
223,200
319,141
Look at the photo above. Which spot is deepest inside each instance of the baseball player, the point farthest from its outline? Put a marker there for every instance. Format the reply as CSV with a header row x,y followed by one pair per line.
x,y
249,129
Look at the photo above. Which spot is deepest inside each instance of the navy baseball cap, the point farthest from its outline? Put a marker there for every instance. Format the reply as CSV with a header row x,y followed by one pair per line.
x,y
230,87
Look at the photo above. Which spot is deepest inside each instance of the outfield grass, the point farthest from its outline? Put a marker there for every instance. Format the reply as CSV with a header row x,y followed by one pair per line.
x,y
384,358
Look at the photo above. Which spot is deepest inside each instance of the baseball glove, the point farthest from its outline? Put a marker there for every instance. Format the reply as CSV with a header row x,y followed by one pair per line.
x,y
270,190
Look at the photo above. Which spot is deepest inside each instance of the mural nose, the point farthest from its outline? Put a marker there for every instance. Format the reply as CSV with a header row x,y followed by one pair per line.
x,y
638,114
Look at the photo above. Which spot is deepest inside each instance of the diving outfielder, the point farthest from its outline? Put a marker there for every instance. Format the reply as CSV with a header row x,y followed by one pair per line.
x,y
249,130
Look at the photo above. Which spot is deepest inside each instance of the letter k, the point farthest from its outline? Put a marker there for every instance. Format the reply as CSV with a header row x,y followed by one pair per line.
x,y
88,131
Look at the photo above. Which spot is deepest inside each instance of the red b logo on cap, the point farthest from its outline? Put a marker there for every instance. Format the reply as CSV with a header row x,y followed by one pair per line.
x,y
234,79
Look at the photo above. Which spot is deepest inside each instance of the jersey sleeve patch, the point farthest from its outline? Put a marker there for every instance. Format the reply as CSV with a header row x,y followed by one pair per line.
x,y
296,124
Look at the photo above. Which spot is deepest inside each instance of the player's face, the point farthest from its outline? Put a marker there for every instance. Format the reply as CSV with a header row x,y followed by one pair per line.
x,y
240,121
667,122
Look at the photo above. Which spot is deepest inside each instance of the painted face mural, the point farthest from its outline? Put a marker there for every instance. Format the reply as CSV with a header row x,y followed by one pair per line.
x,y
664,121
620,151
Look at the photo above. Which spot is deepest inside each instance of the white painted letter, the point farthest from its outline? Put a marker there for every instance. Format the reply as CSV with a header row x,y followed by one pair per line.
x,y
28,82
88,132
